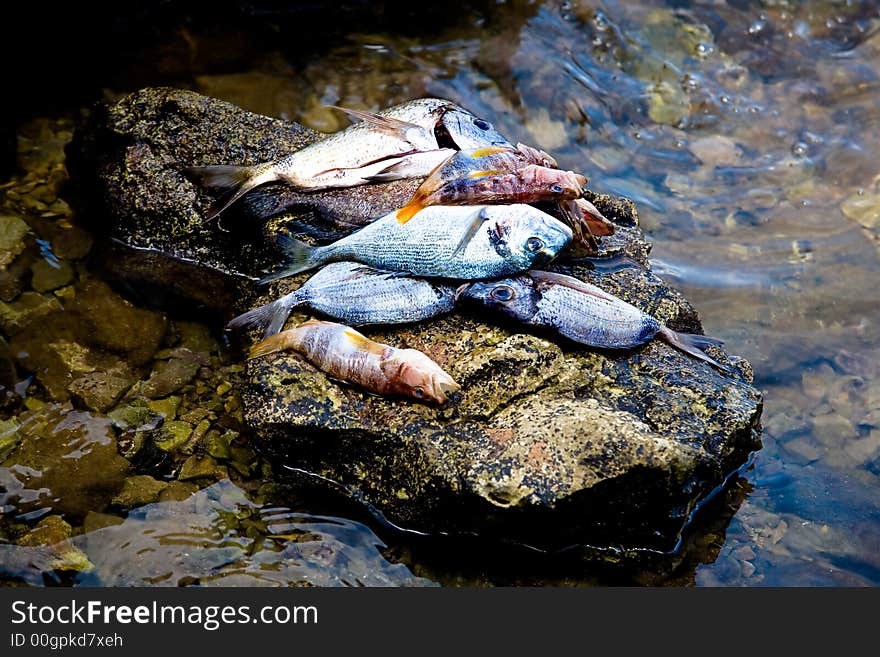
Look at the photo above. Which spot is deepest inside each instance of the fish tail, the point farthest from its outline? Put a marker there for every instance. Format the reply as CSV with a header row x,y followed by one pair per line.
x,y
238,180
271,315
277,342
694,345
300,257
408,211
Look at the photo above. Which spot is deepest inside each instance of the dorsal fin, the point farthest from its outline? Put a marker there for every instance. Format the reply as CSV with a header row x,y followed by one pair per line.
x,y
570,282
363,343
388,125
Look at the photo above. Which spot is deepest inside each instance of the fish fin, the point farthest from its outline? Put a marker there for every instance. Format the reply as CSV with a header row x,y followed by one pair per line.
x,y
608,264
268,345
373,271
478,218
238,180
402,168
408,211
694,345
555,278
300,257
363,270
490,150
386,124
363,343
538,156
271,315
596,222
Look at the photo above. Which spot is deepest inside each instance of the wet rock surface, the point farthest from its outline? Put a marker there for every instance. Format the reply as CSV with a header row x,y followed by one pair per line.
x,y
548,443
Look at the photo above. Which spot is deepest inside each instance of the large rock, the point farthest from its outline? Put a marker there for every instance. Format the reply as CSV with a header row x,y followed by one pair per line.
x,y
126,164
549,443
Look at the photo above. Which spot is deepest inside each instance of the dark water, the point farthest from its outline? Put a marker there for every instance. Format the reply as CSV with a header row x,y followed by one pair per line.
x,y
746,133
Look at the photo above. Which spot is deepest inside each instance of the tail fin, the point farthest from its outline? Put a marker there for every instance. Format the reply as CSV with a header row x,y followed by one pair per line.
x,y
272,315
238,180
693,344
300,257
270,345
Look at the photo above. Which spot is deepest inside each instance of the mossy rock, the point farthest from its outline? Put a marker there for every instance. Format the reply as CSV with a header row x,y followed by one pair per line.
x,y
548,443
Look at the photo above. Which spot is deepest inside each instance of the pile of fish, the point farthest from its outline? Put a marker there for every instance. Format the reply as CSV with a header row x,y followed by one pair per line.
x,y
470,231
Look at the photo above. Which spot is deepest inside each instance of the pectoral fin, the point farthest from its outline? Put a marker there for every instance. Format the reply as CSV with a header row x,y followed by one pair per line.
x,y
478,218
412,165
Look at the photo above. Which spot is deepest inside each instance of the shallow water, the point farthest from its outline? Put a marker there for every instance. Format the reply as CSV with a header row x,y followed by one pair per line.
x,y
747,135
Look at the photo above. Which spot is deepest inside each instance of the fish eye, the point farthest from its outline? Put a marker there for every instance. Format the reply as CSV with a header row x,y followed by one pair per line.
x,y
556,189
546,163
481,124
534,244
419,392
502,293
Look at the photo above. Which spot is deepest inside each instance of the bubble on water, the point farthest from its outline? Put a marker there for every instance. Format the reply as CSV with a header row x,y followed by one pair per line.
x,y
758,26
802,29
689,83
704,49
800,149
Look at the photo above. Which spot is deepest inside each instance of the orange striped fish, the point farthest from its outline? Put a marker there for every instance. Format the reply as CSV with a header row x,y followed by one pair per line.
x,y
349,356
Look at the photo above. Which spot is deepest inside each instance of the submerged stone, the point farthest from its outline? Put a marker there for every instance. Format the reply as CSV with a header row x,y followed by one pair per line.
x,y
548,443
99,391
12,233
66,462
48,276
29,307
169,377
139,490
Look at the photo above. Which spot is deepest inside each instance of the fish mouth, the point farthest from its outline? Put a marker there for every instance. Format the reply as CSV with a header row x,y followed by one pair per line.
x,y
442,387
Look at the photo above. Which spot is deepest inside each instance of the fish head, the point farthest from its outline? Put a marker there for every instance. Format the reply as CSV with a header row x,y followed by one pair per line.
x,y
524,235
458,128
515,296
551,184
537,156
413,374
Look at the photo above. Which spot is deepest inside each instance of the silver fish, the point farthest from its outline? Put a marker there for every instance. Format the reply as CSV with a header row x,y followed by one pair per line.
x,y
349,356
357,295
581,312
513,238
404,141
